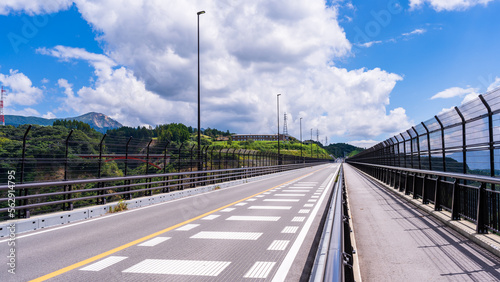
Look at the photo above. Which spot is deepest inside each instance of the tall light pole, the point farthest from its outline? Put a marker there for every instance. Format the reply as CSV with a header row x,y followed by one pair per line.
x,y
301,138
199,123
312,143
278,104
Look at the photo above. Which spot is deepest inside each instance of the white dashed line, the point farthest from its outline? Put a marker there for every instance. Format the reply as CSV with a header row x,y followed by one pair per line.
x,y
308,205
278,245
304,211
298,219
251,200
211,217
290,229
102,264
187,227
240,204
228,209
281,200
295,191
153,242
269,207
179,267
289,195
260,269
253,218
227,235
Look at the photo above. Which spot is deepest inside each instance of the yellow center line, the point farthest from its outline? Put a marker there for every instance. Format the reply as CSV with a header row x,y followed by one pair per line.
x,y
117,249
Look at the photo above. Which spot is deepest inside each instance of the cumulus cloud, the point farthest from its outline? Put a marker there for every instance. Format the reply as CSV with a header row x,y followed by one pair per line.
x,y
448,5
32,7
20,89
250,51
494,85
364,143
454,92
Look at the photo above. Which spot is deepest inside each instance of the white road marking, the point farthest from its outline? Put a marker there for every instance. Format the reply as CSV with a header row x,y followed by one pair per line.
x,y
102,264
179,267
295,191
211,217
289,195
304,211
253,218
227,235
269,207
153,242
290,229
298,219
260,196
278,245
187,227
260,269
308,205
228,209
240,204
251,200
281,200
312,201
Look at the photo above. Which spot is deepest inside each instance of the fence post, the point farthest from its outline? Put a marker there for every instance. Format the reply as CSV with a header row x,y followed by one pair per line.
x,y
455,202
490,131
148,180
179,167
165,178
482,210
443,151
411,147
399,151
464,145
24,192
437,195
404,147
428,145
69,205
100,184
418,148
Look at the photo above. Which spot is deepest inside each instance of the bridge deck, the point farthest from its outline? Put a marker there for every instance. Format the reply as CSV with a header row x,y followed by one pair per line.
x,y
396,242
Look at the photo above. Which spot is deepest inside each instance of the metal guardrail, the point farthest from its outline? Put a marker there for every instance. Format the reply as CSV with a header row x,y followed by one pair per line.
x,y
44,197
472,197
334,256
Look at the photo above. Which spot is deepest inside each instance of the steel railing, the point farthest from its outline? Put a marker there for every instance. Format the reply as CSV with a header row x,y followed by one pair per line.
x,y
44,197
467,196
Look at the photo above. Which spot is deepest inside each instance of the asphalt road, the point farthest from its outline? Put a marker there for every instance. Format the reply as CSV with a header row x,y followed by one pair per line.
x,y
259,231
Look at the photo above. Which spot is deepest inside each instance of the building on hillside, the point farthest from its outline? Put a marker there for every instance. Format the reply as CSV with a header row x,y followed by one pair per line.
x,y
260,137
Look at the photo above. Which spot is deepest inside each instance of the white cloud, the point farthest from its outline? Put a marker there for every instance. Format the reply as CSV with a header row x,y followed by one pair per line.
x,y
49,115
370,44
32,7
28,112
250,50
416,31
454,92
20,90
448,5
364,143
494,85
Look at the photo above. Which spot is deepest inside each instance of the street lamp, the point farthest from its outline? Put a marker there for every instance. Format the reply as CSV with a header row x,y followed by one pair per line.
x,y
312,156
278,103
199,124
301,138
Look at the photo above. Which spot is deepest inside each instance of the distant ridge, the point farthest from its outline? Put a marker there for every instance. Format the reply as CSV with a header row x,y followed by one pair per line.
x,y
98,121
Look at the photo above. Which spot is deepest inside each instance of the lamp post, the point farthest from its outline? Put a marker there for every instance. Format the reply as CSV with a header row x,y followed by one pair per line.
x,y
312,143
301,139
278,104
199,123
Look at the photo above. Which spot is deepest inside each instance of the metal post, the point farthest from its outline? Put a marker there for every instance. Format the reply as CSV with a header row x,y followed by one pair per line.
x,y
165,178
442,143
411,148
199,122
404,148
100,184
301,138
129,195
437,194
482,210
24,192
67,206
418,148
428,144
455,202
490,131
148,192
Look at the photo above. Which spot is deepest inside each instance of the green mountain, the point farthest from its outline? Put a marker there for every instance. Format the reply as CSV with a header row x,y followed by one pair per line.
x,y
339,149
98,121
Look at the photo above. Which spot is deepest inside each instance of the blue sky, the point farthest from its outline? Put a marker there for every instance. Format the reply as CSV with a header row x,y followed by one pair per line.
x,y
359,71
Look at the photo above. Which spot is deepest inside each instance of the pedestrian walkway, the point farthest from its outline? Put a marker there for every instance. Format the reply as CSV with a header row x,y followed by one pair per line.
x,y
397,242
